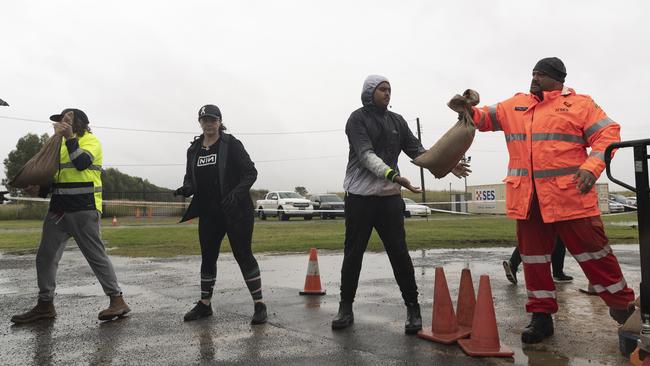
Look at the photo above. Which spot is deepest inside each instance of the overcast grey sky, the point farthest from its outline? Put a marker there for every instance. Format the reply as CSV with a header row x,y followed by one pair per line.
x,y
292,66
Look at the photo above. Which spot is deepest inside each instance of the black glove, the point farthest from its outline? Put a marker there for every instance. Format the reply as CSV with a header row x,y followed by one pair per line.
x,y
179,192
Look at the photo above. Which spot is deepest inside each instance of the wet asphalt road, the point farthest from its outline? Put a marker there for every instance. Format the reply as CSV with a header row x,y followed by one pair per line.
x,y
160,291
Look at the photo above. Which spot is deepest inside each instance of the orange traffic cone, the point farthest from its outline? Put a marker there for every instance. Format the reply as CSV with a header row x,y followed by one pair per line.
x,y
312,281
444,327
114,221
484,340
466,301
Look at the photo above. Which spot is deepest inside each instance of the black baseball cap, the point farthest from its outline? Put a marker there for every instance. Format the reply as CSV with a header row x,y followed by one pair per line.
x,y
79,116
209,110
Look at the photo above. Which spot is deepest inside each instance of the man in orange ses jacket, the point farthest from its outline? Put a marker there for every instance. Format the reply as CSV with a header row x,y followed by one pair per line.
x,y
549,189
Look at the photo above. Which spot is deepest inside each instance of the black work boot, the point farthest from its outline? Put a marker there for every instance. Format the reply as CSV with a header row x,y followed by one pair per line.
x,y
510,274
260,314
621,315
562,278
42,310
413,319
199,311
345,317
540,327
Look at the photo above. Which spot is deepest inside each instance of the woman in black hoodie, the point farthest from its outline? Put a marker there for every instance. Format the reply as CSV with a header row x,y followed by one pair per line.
x,y
219,175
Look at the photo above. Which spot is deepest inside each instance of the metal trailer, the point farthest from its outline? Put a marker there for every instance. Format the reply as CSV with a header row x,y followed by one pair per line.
x,y
642,190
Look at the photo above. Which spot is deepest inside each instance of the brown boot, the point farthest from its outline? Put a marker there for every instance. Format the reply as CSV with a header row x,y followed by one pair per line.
x,y
116,309
42,310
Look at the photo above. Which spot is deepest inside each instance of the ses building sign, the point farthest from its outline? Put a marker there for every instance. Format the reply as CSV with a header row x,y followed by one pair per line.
x,y
491,198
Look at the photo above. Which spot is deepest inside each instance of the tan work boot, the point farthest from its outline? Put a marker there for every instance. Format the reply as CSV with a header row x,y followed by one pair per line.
x,y
42,310
116,309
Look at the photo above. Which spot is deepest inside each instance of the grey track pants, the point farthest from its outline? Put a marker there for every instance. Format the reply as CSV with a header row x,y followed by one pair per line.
x,y
83,226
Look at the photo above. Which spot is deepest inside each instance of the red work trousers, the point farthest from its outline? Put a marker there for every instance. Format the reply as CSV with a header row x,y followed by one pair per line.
x,y
585,239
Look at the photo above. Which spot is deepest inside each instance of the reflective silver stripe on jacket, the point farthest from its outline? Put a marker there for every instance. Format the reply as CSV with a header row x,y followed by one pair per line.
x,y
536,259
91,167
496,125
558,137
612,289
597,126
542,294
587,256
515,137
598,154
518,172
555,172
78,153
76,190
481,121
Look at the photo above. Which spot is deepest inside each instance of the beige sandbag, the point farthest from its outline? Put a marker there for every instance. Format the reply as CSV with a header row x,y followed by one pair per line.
x,y
633,323
445,154
40,169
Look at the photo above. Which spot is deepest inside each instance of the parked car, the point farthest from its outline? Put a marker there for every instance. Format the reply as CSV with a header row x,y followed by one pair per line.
x,y
327,202
631,201
616,207
622,200
414,209
284,204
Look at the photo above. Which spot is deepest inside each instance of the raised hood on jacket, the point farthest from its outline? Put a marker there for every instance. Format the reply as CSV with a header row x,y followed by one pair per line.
x,y
369,86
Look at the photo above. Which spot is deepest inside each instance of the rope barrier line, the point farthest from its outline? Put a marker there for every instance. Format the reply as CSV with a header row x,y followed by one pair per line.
x,y
160,204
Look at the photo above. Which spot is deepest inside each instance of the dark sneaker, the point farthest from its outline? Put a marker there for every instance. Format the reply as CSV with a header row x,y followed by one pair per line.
x,y
345,316
540,327
42,310
510,274
562,278
199,311
621,315
116,309
260,314
413,319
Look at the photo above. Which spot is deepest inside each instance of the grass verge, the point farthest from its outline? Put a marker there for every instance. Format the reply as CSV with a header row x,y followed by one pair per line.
x,y
164,238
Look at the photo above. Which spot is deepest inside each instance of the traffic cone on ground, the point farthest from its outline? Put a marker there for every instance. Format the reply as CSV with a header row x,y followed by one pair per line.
x,y
484,340
444,326
312,281
466,301
114,222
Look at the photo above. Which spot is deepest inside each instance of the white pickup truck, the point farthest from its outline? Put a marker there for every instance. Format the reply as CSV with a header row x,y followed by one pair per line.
x,y
284,204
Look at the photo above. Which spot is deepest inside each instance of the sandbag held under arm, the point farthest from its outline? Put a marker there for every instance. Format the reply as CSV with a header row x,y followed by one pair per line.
x,y
445,154
40,169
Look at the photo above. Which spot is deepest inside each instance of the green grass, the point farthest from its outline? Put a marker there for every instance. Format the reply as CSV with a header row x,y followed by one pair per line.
x,y
163,238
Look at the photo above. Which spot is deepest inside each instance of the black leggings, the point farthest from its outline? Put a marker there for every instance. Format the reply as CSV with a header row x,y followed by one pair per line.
x,y
386,215
212,229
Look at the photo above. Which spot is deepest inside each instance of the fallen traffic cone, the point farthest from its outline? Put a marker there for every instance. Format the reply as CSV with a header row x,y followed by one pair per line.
x,y
312,281
444,327
466,301
114,221
484,340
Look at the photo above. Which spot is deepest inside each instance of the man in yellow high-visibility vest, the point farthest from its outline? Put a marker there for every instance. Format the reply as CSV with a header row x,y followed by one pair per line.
x,y
75,211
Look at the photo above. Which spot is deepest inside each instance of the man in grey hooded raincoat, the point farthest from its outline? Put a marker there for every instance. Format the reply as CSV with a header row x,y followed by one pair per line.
x,y
373,200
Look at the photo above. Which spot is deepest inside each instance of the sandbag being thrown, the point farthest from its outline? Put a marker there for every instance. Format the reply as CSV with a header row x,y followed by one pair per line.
x,y
446,153
40,169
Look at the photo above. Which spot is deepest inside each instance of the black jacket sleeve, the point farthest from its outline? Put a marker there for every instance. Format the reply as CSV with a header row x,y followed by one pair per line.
x,y
357,134
187,189
410,144
80,158
248,173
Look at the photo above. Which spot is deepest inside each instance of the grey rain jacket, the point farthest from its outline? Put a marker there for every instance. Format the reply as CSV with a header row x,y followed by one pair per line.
x,y
376,139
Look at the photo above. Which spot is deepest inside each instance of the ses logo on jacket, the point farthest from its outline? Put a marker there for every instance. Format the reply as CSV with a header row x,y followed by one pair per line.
x,y
207,160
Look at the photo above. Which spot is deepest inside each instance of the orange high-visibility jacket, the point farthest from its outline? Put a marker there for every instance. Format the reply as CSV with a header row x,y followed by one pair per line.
x,y
547,141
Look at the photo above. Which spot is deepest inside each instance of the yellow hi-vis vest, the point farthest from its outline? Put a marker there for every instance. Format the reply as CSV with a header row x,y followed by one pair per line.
x,y
76,190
